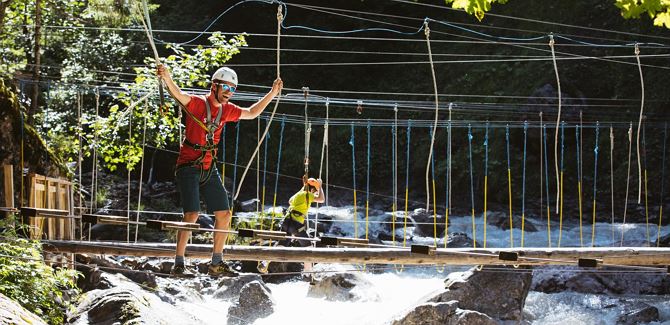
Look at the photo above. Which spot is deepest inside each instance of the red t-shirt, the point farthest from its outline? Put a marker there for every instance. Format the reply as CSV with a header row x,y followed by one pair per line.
x,y
197,135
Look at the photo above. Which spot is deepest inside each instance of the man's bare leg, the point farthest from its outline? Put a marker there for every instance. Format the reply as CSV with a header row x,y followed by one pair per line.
x,y
183,236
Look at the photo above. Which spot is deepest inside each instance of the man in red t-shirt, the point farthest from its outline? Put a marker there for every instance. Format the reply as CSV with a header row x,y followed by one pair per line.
x,y
195,172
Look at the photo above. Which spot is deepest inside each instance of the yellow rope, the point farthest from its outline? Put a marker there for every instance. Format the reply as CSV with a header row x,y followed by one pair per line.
x,y
509,194
474,230
523,225
579,193
262,207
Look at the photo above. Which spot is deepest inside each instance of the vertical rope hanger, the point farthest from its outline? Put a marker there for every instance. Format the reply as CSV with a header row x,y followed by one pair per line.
x,y
595,181
404,225
612,176
523,182
280,17
95,153
308,132
394,158
274,196
448,173
130,141
79,161
625,205
139,194
579,184
352,143
324,148
660,208
560,210
639,125
558,118
472,188
367,183
486,175
432,138
546,183
646,192
509,189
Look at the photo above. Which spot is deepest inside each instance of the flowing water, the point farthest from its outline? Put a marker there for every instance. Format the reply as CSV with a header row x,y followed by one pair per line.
x,y
393,291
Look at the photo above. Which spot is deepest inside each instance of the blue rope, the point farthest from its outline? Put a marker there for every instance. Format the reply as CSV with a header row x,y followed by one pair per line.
x,y
523,182
367,185
579,175
507,145
472,186
562,143
352,143
237,141
281,141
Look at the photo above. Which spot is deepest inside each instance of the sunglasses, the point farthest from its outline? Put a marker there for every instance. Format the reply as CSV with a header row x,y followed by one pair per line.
x,y
226,87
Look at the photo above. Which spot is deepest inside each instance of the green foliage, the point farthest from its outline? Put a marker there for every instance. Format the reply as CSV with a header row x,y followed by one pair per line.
x,y
116,142
658,10
474,7
27,280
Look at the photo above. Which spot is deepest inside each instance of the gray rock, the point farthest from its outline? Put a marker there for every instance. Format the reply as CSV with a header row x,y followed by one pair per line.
x,y
443,313
501,295
13,313
230,288
639,313
255,302
343,287
572,278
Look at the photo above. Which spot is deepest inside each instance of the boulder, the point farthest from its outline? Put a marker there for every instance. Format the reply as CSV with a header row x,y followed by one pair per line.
x,y
572,278
230,288
639,313
255,302
446,313
501,220
343,287
126,303
501,295
13,313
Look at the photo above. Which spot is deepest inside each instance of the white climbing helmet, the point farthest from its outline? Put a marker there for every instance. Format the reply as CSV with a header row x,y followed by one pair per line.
x,y
225,74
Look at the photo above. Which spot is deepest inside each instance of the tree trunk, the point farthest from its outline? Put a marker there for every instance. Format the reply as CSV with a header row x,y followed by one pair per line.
x,y
36,67
4,4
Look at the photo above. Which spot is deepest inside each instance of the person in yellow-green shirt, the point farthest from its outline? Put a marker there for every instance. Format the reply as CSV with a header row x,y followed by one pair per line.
x,y
294,223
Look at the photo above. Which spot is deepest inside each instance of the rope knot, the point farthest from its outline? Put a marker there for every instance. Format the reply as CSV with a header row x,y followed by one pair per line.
x,y
551,40
426,29
637,49
280,16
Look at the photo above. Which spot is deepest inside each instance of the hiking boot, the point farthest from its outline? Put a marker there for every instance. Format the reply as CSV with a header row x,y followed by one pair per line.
x,y
221,269
180,271
263,267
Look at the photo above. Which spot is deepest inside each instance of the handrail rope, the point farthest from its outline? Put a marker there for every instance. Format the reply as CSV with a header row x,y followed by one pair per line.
x,y
561,196
579,185
223,152
94,163
509,189
544,176
324,148
448,174
660,208
367,183
139,194
639,124
352,143
523,182
434,128
237,150
147,28
432,164
486,177
595,181
472,189
646,192
407,161
265,169
274,110
612,177
625,205
558,120
130,141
